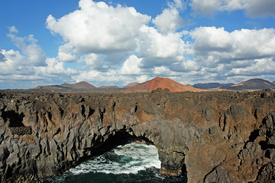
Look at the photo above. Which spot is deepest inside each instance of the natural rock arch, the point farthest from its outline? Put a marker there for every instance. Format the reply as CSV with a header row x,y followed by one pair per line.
x,y
209,133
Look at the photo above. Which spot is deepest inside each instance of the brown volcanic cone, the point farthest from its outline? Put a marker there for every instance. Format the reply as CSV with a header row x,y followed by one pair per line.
x,y
80,85
162,83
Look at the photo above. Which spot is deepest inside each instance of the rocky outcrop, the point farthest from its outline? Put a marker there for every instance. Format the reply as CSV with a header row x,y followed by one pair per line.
x,y
214,136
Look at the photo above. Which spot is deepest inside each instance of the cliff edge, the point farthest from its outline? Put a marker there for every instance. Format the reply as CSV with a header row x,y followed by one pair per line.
x,y
213,136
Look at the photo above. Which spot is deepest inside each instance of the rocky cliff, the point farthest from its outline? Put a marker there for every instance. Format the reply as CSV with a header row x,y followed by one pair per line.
x,y
214,136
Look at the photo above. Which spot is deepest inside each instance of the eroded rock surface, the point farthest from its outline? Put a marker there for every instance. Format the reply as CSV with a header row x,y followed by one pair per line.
x,y
214,136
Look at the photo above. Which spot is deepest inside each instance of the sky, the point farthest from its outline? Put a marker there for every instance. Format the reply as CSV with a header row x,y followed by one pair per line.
x,y
116,42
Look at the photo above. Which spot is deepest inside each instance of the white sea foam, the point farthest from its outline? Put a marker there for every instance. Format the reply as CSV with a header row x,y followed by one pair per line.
x,y
127,159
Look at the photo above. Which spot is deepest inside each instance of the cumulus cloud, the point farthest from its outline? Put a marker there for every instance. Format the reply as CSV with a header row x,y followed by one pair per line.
x,y
185,66
205,7
109,78
158,49
225,55
35,54
181,4
117,45
218,45
54,68
13,63
131,66
142,78
95,61
65,54
169,21
29,65
263,66
163,71
12,29
116,33
259,8
99,28
2,57
253,8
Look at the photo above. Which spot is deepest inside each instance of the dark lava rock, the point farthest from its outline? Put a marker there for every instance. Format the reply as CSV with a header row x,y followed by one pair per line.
x,y
213,136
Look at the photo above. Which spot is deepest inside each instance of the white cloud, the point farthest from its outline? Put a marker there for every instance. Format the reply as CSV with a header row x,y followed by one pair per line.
x,y
158,49
142,78
94,61
12,63
54,68
179,4
99,28
263,66
131,66
12,29
185,66
97,78
65,54
253,8
163,71
34,54
116,33
224,55
218,45
169,21
2,57
12,70
211,39
205,7
30,65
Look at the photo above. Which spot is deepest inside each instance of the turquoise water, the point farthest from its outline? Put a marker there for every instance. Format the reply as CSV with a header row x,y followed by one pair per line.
x,y
135,163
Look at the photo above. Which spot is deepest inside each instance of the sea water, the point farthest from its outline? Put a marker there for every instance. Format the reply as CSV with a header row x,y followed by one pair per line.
x,y
135,163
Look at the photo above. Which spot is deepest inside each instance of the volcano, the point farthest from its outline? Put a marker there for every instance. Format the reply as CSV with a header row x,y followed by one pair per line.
x,y
252,84
162,83
80,85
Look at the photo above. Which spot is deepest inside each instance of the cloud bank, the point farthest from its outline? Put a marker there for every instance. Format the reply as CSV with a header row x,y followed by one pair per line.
x,y
118,45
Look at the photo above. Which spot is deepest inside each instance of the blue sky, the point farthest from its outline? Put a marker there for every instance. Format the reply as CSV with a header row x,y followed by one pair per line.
x,y
118,42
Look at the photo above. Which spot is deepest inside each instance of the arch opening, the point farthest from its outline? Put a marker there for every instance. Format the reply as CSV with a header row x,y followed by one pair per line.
x,y
120,158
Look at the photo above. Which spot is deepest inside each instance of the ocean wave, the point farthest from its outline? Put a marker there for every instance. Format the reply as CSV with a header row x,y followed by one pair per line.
x,y
125,159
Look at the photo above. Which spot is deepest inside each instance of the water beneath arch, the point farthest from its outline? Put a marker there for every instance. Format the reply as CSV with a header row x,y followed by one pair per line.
x,y
133,162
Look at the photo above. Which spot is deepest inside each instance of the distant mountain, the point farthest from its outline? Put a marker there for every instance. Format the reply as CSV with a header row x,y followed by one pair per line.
x,y
273,82
162,83
252,84
210,85
130,85
80,85
109,87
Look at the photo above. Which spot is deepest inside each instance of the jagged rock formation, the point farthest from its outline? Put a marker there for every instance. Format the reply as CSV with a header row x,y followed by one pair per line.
x,y
214,136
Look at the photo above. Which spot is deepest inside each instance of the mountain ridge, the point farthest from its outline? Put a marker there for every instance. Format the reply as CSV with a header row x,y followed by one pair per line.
x,y
251,84
79,85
